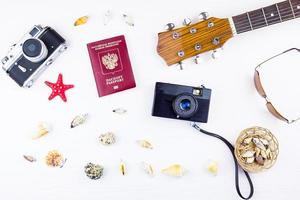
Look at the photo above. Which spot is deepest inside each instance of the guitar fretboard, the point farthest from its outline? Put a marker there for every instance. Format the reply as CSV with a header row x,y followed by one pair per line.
x,y
266,16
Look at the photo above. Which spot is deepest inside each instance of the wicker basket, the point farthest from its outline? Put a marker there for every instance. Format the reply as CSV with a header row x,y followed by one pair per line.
x,y
256,149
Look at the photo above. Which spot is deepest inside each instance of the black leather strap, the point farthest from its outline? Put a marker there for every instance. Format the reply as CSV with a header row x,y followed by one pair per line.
x,y
231,147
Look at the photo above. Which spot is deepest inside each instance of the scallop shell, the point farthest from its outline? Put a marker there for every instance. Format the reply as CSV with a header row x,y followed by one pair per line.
x,y
55,159
173,170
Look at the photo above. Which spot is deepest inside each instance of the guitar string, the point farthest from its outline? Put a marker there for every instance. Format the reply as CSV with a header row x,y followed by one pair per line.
x,y
261,18
254,19
281,12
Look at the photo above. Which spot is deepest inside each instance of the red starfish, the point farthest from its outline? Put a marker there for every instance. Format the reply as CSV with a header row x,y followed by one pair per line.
x,y
58,88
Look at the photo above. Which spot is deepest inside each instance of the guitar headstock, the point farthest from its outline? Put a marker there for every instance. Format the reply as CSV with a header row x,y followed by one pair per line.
x,y
176,45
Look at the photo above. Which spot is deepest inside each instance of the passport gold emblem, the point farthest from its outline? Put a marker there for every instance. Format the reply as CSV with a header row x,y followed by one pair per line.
x,y
110,61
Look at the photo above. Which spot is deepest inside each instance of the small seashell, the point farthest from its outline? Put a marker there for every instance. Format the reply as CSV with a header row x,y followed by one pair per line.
x,y
257,151
265,142
264,154
55,159
145,144
259,144
107,17
30,158
213,168
272,145
260,160
250,160
107,138
173,170
43,129
248,154
78,120
119,111
93,171
122,168
247,140
128,20
268,152
148,168
81,21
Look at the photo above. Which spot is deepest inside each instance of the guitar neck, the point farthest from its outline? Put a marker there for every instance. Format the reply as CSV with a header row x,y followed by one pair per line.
x,y
267,16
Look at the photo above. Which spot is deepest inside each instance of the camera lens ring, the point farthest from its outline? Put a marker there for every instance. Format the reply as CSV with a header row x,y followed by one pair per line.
x,y
34,50
185,106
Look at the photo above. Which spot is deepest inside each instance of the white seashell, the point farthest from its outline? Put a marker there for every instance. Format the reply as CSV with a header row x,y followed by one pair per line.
x,y
107,138
128,20
259,144
119,111
173,170
148,168
145,144
247,140
265,142
264,154
213,168
248,154
43,129
78,120
107,17
257,151
250,160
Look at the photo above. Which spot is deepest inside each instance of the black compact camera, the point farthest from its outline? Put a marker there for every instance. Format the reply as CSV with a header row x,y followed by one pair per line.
x,y
181,102
27,59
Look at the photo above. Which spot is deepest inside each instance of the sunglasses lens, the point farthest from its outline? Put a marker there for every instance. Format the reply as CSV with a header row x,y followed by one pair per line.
x,y
258,85
274,112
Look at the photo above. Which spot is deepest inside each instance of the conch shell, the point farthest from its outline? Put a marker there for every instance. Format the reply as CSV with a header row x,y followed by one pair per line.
x,y
78,120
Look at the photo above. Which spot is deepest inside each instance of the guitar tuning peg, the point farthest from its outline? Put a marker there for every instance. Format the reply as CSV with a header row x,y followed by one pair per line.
x,y
203,16
216,53
187,21
198,59
169,26
180,65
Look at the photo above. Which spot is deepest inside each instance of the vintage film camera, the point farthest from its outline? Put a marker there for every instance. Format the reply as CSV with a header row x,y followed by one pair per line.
x,y
27,59
181,102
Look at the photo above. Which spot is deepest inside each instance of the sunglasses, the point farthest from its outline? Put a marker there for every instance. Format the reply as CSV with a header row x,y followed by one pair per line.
x,y
261,91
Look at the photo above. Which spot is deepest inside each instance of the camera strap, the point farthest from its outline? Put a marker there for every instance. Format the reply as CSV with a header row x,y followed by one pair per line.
x,y
231,148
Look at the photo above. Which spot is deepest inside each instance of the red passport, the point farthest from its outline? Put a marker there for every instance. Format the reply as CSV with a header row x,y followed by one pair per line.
x,y
111,65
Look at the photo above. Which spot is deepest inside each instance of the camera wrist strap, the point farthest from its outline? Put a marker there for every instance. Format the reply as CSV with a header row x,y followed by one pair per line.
x,y
231,147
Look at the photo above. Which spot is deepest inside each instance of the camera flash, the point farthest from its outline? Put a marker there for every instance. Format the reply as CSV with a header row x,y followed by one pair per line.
x,y
197,92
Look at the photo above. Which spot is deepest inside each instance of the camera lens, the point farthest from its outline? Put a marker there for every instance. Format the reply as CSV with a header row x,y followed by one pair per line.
x,y
34,50
185,106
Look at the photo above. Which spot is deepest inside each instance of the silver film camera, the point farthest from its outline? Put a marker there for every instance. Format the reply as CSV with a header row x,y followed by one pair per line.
x,y
27,59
